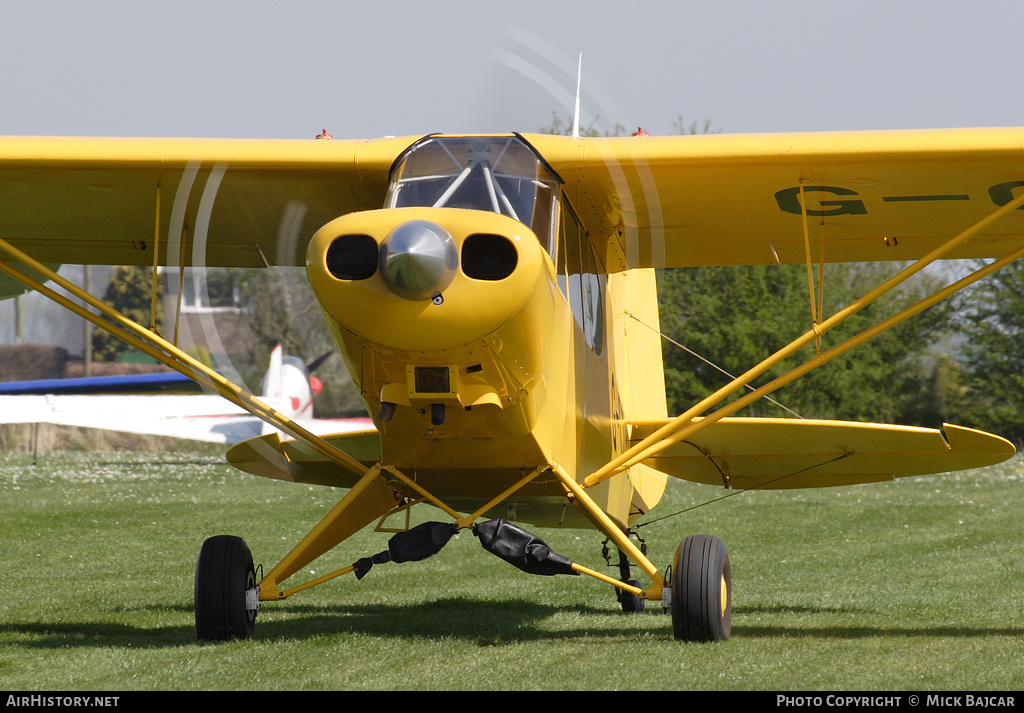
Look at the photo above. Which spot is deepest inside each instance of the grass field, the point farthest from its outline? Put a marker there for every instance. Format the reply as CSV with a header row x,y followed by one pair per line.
x,y
910,585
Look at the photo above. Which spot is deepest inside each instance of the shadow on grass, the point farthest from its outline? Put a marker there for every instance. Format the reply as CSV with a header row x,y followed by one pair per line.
x,y
486,623
483,622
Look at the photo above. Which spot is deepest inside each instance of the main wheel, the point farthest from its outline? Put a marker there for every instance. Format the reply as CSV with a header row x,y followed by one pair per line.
x,y
224,576
701,590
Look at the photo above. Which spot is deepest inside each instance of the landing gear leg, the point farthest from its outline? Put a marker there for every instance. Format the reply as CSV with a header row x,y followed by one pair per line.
x,y
630,602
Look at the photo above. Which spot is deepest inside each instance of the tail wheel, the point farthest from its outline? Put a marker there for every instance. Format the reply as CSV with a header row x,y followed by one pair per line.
x,y
701,590
225,590
631,603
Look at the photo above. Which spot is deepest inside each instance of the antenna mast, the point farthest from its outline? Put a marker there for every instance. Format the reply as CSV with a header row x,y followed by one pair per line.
x,y
576,112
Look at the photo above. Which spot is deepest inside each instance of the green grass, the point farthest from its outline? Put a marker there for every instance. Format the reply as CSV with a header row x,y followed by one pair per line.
x,y
910,585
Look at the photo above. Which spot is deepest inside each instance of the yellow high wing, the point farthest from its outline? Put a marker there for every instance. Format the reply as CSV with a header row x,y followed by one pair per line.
x,y
689,201
215,202
678,201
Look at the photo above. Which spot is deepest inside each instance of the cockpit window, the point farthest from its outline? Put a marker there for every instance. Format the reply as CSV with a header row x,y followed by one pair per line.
x,y
497,174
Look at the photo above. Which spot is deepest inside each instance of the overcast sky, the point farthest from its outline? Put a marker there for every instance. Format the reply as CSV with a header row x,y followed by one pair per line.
x,y
366,69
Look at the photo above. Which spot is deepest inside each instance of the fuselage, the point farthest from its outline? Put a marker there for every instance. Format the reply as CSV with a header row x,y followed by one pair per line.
x,y
483,333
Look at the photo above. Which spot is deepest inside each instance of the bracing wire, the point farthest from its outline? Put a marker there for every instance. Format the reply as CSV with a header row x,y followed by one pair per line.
x,y
707,361
734,493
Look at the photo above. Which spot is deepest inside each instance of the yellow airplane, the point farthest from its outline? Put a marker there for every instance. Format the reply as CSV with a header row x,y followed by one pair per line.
x,y
494,300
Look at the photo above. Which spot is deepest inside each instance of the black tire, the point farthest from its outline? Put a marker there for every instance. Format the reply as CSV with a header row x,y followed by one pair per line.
x,y
631,603
701,590
223,574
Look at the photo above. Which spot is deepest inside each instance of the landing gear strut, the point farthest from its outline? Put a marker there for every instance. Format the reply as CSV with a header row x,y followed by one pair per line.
x,y
630,603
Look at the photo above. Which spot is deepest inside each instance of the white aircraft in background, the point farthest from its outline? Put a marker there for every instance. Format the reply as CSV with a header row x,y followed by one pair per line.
x,y
288,387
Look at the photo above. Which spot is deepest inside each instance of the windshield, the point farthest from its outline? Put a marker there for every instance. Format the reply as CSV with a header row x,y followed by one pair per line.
x,y
496,174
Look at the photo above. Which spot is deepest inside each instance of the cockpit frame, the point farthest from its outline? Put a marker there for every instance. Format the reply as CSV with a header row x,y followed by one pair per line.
x,y
498,174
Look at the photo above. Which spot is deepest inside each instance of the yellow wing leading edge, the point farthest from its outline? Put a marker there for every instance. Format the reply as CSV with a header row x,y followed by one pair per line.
x,y
676,201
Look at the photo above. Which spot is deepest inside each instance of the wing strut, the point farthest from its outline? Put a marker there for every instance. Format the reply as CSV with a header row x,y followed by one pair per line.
x,y
156,261
819,308
166,353
684,425
181,282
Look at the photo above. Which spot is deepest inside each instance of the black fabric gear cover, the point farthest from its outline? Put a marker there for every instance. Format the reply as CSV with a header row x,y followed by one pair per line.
x,y
413,545
521,549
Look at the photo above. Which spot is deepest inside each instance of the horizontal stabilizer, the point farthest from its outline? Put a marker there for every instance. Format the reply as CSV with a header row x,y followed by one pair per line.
x,y
272,456
769,453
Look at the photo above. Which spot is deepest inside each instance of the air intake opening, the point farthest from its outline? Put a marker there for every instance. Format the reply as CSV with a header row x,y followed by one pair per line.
x,y
432,380
352,257
488,257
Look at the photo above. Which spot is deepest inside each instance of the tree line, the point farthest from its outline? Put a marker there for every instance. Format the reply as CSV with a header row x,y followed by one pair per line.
x,y
956,362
